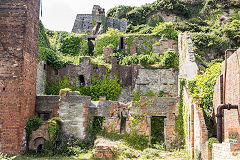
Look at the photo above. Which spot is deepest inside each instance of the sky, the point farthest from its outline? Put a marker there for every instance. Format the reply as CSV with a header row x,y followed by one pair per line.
x,y
59,15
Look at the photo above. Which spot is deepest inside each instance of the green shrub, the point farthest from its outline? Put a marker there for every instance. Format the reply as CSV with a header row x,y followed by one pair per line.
x,y
232,31
150,93
51,58
119,11
166,30
170,59
211,141
54,87
111,37
155,20
105,86
136,96
33,124
71,44
139,29
6,157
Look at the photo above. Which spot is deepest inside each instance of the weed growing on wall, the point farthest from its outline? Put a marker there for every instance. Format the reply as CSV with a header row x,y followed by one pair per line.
x,y
179,119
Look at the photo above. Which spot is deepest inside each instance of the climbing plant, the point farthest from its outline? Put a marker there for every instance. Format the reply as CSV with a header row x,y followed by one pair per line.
x,y
202,87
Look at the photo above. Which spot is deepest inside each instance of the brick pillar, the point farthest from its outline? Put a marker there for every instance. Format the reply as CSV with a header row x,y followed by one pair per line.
x,y
133,50
114,67
106,52
19,22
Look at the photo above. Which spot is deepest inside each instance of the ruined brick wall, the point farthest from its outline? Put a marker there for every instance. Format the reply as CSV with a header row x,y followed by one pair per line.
x,y
159,80
139,43
197,138
231,117
149,107
85,68
164,44
127,74
18,64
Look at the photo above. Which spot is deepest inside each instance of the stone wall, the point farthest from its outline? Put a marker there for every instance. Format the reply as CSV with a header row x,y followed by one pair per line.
x,y
231,123
159,80
187,66
18,65
41,78
139,43
164,44
84,23
73,112
226,150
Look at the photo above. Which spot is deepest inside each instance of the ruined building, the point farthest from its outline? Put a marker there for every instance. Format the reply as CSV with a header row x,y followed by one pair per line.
x,y
96,22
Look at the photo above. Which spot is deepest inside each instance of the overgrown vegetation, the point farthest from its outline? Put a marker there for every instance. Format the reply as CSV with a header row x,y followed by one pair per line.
x,y
202,87
104,86
109,39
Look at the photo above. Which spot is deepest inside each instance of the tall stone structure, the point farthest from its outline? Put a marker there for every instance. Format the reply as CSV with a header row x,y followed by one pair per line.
x,y
19,21
93,23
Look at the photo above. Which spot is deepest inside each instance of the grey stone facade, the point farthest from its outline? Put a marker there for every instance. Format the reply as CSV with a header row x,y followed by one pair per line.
x,y
187,65
93,23
159,80
73,112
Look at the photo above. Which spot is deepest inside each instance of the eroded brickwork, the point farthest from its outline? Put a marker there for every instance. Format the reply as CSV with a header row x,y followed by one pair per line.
x,y
18,63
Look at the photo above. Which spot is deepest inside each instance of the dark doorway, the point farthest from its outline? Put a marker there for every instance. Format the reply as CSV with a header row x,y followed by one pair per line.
x,y
123,121
121,43
81,80
44,116
91,46
157,130
96,126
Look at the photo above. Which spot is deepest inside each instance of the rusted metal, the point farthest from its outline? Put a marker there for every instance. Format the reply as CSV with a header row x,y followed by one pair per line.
x,y
225,74
219,116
